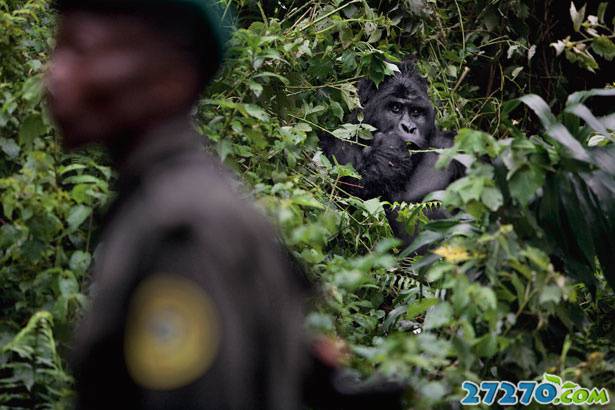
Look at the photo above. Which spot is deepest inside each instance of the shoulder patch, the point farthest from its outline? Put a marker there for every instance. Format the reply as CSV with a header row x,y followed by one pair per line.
x,y
172,332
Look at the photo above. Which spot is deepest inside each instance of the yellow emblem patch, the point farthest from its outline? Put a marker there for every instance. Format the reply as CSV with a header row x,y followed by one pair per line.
x,y
172,333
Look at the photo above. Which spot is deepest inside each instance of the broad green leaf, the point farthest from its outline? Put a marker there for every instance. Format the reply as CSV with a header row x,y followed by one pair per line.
x,y
72,167
224,148
492,198
31,128
472,189
67,284
257,112
540,107
255,87
32,90
438,316
279,77
77,215
605,159
350,96
581,96
476,142
424,238
581,111
417,308
336,110
303,127
561,134
486,298
487,345
84,179
551,293
598,192
525,182
307,201
608,121
346,37
9,147
373,207
346,171
387,244
80,261
604,47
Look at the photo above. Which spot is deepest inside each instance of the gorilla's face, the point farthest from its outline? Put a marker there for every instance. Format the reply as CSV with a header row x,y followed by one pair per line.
x,y
401,107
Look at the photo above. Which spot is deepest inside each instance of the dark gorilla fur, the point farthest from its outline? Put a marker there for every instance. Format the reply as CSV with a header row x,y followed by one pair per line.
x,y
403,115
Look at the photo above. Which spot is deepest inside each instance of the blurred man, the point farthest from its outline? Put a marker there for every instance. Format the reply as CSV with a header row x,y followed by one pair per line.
x,y
193,305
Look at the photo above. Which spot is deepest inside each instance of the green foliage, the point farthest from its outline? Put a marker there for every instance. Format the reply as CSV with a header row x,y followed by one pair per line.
x,y
46,219
597,37
516,282
32,373
556,185
488,299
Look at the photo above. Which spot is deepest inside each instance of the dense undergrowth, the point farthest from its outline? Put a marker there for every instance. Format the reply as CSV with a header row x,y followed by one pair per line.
x,y
518,280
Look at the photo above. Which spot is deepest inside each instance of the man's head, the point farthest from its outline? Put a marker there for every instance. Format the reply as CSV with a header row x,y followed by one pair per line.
x,y
119,70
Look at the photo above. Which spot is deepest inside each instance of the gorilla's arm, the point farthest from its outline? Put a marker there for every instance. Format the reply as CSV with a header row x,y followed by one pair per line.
x,y
384,166
426,178
344,152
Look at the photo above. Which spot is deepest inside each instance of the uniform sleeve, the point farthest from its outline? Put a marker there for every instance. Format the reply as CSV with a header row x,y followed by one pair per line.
x,y
196,305
214,315
173,323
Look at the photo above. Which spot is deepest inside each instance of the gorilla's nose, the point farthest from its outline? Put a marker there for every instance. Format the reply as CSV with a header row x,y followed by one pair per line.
x,y
407,128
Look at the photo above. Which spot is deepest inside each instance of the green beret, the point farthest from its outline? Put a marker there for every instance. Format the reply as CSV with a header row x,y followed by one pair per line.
x,y
209,27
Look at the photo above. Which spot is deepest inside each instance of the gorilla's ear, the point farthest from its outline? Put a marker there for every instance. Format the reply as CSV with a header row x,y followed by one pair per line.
x,y
366,90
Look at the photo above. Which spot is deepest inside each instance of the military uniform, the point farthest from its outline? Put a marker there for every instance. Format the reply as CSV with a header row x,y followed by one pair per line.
x,y
193,306
194,303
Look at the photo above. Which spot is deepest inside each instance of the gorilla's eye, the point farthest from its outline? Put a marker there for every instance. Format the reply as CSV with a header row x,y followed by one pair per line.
x,y
416,111
395,107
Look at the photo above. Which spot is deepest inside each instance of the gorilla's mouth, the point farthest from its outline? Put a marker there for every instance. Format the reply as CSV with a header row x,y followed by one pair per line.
x,y
412,142
412,146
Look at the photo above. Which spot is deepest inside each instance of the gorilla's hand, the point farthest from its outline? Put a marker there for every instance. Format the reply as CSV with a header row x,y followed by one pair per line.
x,y
385,165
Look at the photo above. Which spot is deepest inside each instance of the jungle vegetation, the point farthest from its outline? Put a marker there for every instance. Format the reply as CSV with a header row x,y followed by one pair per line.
x,y
517,283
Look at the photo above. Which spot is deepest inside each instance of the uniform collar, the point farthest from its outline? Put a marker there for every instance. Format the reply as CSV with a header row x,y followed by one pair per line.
x,y
168,138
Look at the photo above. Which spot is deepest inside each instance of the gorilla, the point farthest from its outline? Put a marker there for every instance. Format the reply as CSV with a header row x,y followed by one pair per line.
x,y
403,116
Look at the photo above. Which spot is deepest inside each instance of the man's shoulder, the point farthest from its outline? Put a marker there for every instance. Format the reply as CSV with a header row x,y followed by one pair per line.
x,y
192,202
196,187
188,172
